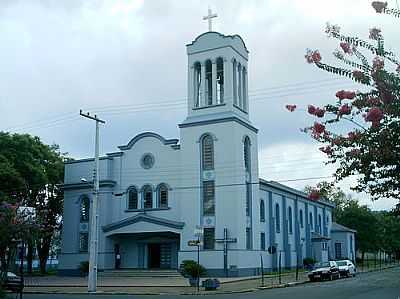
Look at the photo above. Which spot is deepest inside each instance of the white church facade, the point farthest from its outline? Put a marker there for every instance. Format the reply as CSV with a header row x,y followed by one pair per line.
x,y
155,193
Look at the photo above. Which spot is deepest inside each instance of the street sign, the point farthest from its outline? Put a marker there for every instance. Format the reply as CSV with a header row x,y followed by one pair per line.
x,y
194,243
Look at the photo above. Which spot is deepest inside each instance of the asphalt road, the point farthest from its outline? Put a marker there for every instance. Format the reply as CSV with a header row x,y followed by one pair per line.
x,y
374,285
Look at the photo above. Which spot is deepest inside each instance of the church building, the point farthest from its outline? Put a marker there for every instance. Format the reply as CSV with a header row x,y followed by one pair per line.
x,y
157,194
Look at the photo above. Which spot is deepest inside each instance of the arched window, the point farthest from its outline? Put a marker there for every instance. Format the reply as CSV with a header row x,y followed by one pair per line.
x,y
277,218
239,84
244,74
319,224
290,215
262,211
207,147
147,197
246,153
220,80
84,209
301,219
132,198
311,221
197,84
209,83
163,196
234,82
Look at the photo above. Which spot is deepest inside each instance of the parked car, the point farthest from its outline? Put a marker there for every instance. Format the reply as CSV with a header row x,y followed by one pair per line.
x,y
346,268
13,282
324,270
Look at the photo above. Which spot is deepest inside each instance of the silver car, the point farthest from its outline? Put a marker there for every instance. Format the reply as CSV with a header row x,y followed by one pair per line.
x,y
346,268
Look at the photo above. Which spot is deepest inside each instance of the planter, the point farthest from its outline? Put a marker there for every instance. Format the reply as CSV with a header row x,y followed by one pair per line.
x,y
193,281
211,284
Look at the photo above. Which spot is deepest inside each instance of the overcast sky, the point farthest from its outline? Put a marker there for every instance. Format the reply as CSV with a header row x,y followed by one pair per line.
x,y
126,60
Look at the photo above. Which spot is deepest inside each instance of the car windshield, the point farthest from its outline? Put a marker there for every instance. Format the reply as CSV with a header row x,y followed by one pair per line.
x,y
341,263
322,265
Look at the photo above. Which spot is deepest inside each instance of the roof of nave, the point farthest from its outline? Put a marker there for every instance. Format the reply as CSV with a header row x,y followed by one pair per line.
x,y
145,135
276,185
336,227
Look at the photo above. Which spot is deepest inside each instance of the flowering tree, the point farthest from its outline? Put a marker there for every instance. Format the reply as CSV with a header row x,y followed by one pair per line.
x,y
360,132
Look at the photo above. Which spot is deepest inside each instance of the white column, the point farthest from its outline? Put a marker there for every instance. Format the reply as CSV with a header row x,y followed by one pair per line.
x,y
240,86
247,91
228,89
203,100
155,199
244,88
191,89
214,82
234,81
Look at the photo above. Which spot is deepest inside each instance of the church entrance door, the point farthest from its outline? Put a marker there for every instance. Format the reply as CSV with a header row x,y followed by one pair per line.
x,y
154,255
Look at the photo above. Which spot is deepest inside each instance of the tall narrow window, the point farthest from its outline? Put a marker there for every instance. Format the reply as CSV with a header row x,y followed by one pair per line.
x,y
239,84
290,215
207,146
83,241
220,80
148,197
246,153
301,219
248,199
262,211
163,196
262,241
319,224
311,221
244,74
277,219
248,238
208,198
132,199
209,238
197,84
84,209
234,67
209,83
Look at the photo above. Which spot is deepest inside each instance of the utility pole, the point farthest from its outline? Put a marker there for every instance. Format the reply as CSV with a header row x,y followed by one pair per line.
x,y
92,279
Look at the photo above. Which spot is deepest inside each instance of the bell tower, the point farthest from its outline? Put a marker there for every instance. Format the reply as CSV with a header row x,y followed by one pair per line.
x,y
217,77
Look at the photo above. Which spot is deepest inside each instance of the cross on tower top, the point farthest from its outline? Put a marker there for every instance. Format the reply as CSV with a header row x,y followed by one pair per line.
x,y
209,17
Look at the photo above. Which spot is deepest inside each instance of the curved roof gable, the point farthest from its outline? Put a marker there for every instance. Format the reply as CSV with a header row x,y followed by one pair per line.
x,y
212,40
151,135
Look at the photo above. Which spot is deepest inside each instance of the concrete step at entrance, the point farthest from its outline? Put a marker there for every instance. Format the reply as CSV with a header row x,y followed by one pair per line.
x,y
140,273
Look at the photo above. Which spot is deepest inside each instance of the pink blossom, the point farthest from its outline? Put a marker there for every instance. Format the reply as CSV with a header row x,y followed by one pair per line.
x,y
319,112
291,108
342,94
314,195
374,101
311,109
346,48
318,128
374,115
375,33
379,6
398,68
337,141
387,97
344,110
358,74
313,56
378,63
327,150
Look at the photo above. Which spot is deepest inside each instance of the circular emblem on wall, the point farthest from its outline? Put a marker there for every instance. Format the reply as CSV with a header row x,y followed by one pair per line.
x,y
147,161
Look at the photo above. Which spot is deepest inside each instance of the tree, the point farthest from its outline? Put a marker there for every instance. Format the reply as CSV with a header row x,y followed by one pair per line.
x,y
360,130
35,171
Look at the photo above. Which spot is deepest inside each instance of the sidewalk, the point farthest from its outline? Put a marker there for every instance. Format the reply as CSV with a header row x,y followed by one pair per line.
x,y
156,286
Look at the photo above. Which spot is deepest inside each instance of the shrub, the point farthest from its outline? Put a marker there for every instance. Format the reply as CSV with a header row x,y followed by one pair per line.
x,y
192,269
84,267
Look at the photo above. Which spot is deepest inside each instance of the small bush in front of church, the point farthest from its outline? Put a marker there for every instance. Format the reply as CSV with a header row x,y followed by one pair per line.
x,y
192,269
